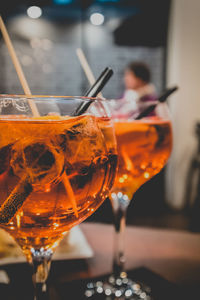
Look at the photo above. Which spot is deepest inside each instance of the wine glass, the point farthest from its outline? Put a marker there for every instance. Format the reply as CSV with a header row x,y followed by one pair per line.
x,y
56,169
144,147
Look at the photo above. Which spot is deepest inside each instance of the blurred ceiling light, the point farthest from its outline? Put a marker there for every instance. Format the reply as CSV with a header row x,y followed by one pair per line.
x,y
34,12
97,19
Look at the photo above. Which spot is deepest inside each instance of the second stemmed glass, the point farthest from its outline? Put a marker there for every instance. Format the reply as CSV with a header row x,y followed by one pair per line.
x,y
144,147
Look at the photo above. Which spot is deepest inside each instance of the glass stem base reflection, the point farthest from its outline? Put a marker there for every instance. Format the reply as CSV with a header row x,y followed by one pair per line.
x,y
118,285
41,261
118,288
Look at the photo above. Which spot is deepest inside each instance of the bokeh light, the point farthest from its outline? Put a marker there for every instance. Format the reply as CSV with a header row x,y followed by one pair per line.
x,y
34,12
97,19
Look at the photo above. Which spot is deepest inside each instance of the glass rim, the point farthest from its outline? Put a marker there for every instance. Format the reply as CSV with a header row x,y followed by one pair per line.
x,y
16,96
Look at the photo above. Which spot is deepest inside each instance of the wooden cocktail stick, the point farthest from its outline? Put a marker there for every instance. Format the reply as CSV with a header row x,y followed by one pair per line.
x,y
86,68
70,193
17,197
18,67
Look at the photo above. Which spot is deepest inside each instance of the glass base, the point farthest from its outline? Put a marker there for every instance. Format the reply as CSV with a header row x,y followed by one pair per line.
x,y
118,288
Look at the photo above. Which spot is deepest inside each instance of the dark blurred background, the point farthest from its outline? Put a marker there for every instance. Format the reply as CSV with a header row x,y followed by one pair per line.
x,y
111,33
131,30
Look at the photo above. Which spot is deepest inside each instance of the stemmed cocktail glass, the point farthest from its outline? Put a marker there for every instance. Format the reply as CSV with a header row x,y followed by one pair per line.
x,y
56,170
144,147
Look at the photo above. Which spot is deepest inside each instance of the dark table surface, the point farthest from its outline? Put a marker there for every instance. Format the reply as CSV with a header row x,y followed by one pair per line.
x,y
175,255
172,255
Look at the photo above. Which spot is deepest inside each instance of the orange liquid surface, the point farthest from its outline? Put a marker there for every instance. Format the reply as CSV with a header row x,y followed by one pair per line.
x,y
143,149
69,164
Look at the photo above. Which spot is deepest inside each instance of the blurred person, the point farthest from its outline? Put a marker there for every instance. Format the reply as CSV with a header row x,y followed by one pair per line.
x,y
137,78
139,91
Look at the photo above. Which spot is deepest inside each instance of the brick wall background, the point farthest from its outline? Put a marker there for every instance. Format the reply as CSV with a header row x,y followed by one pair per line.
x,y
47,53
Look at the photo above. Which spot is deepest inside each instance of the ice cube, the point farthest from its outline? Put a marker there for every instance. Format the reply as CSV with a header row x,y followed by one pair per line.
x,y
39,160
84,141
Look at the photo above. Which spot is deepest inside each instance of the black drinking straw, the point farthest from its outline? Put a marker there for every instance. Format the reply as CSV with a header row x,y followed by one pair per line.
x,y
161,99
94,90
17,197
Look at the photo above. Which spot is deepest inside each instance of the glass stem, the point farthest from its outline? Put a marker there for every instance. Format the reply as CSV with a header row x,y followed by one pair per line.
x,y
41,261
120,210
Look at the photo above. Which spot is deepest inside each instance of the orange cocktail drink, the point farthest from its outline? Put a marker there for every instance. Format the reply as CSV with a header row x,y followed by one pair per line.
x,y
144,147
55,171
